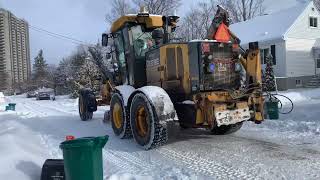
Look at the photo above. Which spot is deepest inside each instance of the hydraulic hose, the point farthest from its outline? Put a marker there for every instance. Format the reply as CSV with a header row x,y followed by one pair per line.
x,y
273,96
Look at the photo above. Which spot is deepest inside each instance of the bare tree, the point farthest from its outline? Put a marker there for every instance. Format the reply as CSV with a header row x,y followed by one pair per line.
x,y
317,4
196,23
52,76
162,7
242,10
118,8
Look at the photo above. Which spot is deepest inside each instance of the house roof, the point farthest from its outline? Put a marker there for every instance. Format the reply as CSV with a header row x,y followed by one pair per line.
x,y
268,27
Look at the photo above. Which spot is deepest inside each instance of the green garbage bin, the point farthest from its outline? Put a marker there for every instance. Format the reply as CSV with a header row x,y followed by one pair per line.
x,y
83,158
12,106
272,109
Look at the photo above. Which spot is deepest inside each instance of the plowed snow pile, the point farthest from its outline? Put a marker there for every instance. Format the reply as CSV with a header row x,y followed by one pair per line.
x,y
288,148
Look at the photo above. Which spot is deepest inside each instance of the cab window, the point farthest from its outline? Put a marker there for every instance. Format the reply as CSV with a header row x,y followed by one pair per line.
x,y
142,41
120,48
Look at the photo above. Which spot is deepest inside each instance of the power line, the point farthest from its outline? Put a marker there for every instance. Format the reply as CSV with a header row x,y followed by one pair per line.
x,y
59,36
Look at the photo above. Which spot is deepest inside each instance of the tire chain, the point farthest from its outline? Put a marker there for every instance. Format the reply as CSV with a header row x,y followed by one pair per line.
x,y
128,131
160,136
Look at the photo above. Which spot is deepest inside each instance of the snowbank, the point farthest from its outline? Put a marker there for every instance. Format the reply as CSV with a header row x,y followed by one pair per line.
x,y
2,102
300,95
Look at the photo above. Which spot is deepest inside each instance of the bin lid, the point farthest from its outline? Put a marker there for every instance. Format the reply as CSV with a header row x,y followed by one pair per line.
x,y
93,142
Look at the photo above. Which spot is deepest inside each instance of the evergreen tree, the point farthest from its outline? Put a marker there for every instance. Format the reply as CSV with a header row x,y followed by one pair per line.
x,y
268,77
40,70
104,66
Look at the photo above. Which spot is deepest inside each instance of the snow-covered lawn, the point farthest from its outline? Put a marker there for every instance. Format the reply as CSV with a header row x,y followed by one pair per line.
x,y
288,148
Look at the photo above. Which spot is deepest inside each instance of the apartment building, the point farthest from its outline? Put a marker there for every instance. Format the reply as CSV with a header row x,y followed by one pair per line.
x,y
15,67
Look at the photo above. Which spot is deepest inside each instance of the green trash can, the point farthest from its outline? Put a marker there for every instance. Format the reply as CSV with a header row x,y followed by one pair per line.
x,y
272,109
12,106
83,158
7,108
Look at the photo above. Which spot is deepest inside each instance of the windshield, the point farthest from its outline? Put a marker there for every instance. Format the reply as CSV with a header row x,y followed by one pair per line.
x,y
142,41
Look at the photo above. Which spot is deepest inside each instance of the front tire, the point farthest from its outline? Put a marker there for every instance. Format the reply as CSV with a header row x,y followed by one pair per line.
x,y
224,130
119,119
83,110
147,131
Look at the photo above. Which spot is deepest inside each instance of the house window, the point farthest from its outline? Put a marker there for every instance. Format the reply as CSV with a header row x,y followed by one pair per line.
x,y
298,83
263,55
313,22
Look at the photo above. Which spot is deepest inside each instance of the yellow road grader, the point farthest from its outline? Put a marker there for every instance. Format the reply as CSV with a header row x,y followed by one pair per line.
x,y
211,83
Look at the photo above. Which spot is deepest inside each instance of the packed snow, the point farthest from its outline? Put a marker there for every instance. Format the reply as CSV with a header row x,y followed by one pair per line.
x,y
125,91
160,99
288,148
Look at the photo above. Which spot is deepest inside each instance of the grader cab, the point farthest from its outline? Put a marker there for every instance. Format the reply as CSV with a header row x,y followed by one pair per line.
x,y
211,83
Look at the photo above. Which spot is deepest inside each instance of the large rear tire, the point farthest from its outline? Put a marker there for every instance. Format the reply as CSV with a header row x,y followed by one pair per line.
x,y
119,117
83,110
147,131
229,129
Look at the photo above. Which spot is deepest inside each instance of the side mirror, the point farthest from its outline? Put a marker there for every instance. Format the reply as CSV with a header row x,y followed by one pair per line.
x,y
104,39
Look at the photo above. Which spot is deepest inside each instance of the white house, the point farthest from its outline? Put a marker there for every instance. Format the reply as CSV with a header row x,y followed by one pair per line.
x,y
292,36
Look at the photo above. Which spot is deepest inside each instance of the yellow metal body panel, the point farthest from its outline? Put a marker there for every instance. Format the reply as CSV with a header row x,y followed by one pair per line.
x,y
258,116
218,96
183,70
253,65
199,117
151,21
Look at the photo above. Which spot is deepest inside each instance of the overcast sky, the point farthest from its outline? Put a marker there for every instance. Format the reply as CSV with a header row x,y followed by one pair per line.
x,y
81,19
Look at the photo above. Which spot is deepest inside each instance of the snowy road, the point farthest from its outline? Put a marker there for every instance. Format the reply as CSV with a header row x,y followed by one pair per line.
x,y
285,149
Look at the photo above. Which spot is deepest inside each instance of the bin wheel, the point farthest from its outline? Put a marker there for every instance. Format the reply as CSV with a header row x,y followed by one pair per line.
x,y
146,129
229,129
83,110
119,117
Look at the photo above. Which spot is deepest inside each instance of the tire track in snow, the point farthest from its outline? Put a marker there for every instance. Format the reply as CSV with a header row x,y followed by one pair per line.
x,y
127,161
204,166
53,150
52,108
309,157
32,111
118,161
